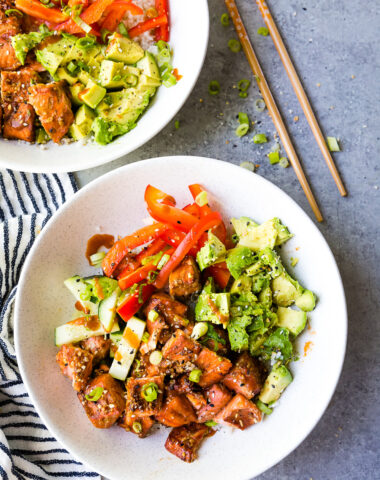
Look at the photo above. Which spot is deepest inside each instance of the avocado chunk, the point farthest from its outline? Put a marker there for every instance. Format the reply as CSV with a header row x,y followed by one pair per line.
x,y
276,382
213,307
242,225
238,259
270,258
74,93
104,131
286,290
293,320
147,82
306,301
283,234
148,66
265,296
24,42
123,49
112,74
63,74
93,94
258,237
212,252
242,284
83,122
55,54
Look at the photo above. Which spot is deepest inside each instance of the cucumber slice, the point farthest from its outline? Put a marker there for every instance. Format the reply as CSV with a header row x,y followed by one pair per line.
x,y
115,339
107,310
127,351
78,287
71,332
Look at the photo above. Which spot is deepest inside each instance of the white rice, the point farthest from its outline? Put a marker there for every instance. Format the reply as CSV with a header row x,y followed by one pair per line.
x,y
146,40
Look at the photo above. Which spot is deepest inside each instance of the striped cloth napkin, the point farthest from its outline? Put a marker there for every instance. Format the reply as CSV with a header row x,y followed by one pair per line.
x,y
27,449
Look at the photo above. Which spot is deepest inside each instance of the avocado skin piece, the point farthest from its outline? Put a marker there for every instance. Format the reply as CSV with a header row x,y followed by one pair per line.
x,y
238,259
276,382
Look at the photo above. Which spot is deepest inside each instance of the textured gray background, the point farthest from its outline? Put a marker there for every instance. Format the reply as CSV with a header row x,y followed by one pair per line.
x,y
330,41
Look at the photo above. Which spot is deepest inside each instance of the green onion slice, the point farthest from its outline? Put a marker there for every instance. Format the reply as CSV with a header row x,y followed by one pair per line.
x,y
145,337
168,80
176,124
260,138
200,329
104,34
152,315
333,144
259,105
96,258
137,427
248,166
243,94
263,31
149,391
243,118
13,10
195,375
242,129
284,162
95,394
165,258
234,45
225,20
214,87
161,45
211,423
86,42
263,407
155,357
83,25
274,157
123,29
72,67
243,84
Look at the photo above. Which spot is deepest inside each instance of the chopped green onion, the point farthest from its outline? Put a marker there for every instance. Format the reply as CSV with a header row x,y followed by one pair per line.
x,y
86,42
104,34
263,31
155,357
161,45
83,25
83,66
176,124
248,166
141,288
145,337
13,10
333,144
243,84
123,29
150,391
259,105
284,162
107,100
234,45
44,28
72,67
163,261
243,118
274,157
116,78
169,80
214,87
96,258
201,199
95,394
211,423
152,315
199,330
294,261
225,20
243,94
152,275
195,375
41,136
164,55
132,79
137,427
242,130
260,138
263,407
152,259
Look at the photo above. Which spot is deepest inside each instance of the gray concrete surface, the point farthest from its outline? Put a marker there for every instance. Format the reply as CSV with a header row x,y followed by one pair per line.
x,y
335,46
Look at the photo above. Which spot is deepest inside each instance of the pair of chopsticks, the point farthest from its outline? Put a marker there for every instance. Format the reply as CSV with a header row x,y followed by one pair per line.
x,y
271,104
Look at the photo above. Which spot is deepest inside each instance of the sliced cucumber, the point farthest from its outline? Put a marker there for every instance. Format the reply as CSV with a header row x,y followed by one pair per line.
x,y
115,339
126,352
107,310
71,332
79,288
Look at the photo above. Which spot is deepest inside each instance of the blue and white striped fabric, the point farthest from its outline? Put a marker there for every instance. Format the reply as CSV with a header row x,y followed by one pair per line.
x,y
27,449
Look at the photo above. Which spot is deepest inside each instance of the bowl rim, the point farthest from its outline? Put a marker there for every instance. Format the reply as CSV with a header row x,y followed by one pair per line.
x,y
104,155
142,165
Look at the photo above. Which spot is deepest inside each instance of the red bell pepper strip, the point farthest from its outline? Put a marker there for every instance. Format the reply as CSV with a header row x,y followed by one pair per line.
x,y
91,15
134,302
118,251
116,11
220,273
36,9
164,212
188,242
162,33
137,276
148,25
175,237
151,249
193,209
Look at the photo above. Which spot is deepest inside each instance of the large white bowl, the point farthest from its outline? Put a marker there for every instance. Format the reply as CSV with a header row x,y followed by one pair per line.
x,y
114,204
189,38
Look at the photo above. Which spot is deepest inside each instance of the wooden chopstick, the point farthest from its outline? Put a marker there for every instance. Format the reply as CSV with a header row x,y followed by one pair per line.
x,y
300,92
271,105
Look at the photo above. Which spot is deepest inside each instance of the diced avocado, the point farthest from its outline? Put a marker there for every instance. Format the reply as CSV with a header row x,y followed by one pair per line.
x,y
74,93
145,81
238,259
93,94
123,49
105,131
55,54
123,107
149,66
278,379
237,334
242,284
77,53
270,258
112,74
261,236
258,282
306,301
286,290
293,320
242,225
257,267
24,42
255,342
209,286
265,296
83,122
213,307
283,234
63,74
212,252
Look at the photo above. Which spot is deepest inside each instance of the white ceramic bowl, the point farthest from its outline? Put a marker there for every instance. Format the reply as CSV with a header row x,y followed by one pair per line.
x,y
114,204
189,38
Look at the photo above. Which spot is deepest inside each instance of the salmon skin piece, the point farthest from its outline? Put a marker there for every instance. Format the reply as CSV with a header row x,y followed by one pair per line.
x,y
239,413
18,121
53,107
184,442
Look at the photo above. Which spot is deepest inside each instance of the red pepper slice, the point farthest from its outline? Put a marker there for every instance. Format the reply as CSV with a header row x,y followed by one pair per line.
x,y
220,273
162,7
165,212
174,238
137,276
148,25
193,209
118,251
134,302
116,11
152,249
36,9
188,242
91,15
